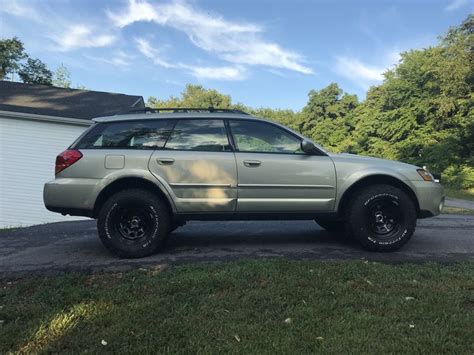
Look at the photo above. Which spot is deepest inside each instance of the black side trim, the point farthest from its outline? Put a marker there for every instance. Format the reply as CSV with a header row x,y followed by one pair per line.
x,y
253,216
219,216
71,211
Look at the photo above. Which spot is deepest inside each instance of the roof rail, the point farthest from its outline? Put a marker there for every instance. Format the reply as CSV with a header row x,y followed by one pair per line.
x,y
186,109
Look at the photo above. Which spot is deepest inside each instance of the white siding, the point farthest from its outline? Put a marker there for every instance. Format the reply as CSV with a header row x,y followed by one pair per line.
x,y
28,150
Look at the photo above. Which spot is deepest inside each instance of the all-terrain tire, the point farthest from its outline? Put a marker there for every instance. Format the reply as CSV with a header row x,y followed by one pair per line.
x,y
134,223
381,217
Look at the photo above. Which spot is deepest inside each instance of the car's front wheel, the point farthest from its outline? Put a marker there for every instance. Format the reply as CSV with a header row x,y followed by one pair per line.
x,y
133,223
381,217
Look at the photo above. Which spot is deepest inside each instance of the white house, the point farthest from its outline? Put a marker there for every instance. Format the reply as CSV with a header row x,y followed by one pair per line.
x,y
37,123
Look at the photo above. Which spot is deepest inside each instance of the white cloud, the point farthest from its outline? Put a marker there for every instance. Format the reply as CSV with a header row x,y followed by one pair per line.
x,y
82,36
354,68
174,14
456,4
201,72
152,53
363,74
118,59
239,43
217,73
56,27
20,9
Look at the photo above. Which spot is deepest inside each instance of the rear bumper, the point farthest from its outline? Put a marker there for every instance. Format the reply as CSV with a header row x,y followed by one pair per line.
x,y
430,198
75,197
70,211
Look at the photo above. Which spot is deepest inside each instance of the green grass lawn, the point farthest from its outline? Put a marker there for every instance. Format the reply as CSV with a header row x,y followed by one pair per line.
x,y
462,194
245,307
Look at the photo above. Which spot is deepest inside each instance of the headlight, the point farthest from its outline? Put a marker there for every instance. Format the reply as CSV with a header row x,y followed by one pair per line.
x,y
425,175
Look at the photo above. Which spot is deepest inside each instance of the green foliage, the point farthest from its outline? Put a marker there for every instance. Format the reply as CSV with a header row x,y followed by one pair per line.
x,y
287,117
461,177
194,96
11,52
327,117
13,58
200,97
423,111
34,71
62,77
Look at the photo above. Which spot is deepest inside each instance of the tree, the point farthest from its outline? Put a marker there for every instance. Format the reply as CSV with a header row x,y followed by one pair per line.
x,y
423,112
327,117
62,77
11,52
194,96
34,71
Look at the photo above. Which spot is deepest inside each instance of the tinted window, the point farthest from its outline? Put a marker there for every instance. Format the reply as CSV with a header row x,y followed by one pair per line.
x,y
263,137
203,135
127,135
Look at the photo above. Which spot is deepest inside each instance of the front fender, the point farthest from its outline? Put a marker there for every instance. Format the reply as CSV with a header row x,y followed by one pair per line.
x,y
346,181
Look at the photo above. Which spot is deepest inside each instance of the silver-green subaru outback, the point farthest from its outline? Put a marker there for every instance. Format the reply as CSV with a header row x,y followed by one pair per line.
x,y
143,174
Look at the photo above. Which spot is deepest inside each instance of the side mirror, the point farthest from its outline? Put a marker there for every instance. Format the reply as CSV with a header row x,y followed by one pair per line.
x,y
308,147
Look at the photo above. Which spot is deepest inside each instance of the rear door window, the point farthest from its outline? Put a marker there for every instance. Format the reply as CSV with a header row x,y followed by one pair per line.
x,y
200,135
127,135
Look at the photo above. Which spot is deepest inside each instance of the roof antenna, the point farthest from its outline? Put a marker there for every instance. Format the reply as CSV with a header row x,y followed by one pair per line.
x,y
211,109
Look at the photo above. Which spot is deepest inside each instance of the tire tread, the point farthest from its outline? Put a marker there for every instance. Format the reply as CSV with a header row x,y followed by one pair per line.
x,y
163,226
352,220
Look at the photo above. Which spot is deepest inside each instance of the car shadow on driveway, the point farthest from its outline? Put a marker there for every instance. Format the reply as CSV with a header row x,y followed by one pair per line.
x,y
235,235
67,246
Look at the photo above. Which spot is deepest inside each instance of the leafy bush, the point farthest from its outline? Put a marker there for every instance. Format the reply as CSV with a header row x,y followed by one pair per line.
x,y
461,177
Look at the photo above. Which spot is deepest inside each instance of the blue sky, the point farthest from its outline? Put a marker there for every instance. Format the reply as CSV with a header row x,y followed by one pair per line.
x,y
262,52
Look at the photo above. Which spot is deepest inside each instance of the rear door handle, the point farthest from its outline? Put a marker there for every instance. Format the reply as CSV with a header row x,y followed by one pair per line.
x,y
165,161
252,163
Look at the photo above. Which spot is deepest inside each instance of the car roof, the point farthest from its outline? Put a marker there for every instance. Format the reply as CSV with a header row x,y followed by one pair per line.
x,y
174,115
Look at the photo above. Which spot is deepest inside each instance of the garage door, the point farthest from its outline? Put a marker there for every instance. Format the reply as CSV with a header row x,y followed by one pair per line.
x,y
28,151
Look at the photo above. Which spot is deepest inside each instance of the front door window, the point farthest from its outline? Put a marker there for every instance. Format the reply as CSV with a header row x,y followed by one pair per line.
x,y
260,137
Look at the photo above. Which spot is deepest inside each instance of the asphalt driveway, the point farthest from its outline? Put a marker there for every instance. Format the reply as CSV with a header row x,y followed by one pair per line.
x,y
73,246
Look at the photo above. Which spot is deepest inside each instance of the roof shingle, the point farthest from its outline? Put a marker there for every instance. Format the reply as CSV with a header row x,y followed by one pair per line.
x,y
61,102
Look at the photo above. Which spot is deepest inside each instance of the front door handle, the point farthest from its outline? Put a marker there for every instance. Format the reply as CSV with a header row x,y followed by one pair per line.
x,y
252,163
165,161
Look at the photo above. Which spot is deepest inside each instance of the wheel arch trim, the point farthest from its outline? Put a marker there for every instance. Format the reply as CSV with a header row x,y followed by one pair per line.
x,y
376,177
128,181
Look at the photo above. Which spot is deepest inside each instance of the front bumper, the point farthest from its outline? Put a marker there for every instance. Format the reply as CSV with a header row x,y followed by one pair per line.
x,y
430,196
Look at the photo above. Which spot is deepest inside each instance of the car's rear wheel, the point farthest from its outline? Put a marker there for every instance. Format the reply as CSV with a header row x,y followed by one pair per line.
x,y
381,217
133,223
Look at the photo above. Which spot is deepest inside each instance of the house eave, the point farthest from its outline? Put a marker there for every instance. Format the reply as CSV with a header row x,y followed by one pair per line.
x,y
44,118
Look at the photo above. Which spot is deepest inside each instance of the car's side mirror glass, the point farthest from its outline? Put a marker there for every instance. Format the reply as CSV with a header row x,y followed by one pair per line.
x,y
308,147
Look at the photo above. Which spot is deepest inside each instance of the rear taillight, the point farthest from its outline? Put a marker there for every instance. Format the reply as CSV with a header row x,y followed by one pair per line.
x,y
66,159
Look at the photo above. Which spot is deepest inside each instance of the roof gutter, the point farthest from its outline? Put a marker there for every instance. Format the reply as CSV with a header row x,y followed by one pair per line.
x,y
45,118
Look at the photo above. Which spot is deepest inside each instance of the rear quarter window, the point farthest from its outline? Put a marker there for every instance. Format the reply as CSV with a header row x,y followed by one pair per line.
x,y
127,135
